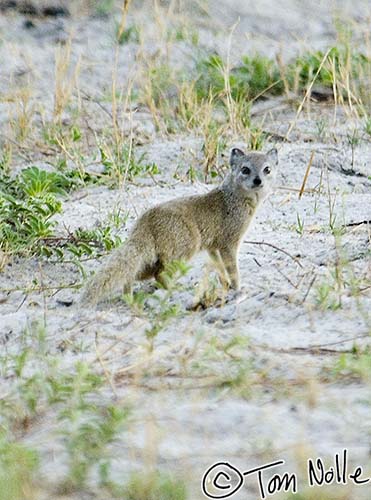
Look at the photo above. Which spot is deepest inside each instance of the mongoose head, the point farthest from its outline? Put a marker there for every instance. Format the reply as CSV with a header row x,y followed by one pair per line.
x,y
254,171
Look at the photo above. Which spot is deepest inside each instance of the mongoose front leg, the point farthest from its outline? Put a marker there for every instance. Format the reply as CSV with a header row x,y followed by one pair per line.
x,y
229,258
218,262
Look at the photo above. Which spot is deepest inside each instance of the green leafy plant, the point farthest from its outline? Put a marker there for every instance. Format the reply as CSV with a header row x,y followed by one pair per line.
x,y
130,34
104,7
28,203
338,59
18,466
5,159
248,80
355,365
87,428
327,296
184,34
158,307
299,224
122,163
154,486
88,425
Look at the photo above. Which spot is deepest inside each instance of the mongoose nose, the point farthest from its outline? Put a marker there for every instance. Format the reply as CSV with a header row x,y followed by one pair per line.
x,y
257,181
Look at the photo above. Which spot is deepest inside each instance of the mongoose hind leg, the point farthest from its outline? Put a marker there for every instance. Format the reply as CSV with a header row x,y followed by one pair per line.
x,y
154,271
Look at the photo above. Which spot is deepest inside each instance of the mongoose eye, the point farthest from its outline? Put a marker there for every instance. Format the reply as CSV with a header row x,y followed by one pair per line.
x,y
267,170
246,171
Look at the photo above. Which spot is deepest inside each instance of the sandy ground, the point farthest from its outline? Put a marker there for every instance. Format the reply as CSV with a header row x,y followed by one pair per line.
x,y
180,420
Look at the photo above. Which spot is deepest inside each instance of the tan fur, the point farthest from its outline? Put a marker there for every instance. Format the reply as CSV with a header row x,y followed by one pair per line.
x,y
180,228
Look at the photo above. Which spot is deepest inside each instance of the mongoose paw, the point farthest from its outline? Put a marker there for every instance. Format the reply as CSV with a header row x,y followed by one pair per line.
x,y
238,296
231,296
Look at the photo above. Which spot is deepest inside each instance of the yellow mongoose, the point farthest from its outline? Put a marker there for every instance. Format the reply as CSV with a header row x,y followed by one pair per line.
x,y
178,229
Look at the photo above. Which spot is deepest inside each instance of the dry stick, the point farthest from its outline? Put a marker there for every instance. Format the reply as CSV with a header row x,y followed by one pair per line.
x,y
227,84
282,68
286,277
334,90
89,98
43,292
331,204
309,289
106,373
134,365
304,350
262,93
307,93
112,346
20,147
131,138
362,336
22,302
63,89
73,158
295,259
360,223
115,124
306,175
124,13
275,135
296,190
39,288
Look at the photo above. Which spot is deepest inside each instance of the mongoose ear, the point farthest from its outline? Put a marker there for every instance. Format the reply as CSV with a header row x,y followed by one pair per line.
x,y
236,156
273,155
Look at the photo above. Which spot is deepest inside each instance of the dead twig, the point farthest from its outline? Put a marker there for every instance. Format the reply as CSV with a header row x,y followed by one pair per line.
x,y
316,348
286,277
305,350
88,97
124,13
296,190
306,175
107,374
351,224
39,288
307,93
295,259
309,289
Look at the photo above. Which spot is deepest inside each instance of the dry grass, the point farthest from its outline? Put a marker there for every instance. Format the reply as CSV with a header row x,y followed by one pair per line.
x,y
66,78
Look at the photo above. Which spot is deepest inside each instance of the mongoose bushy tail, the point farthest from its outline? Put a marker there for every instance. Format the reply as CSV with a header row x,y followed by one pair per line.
x,y
122,268
178,229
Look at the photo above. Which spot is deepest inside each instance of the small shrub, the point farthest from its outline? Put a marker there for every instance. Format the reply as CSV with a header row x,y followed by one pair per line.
x,y
87,429
356,365
122,163
103,8
130,34
340,62
155,486
248,80
28,203
18,466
